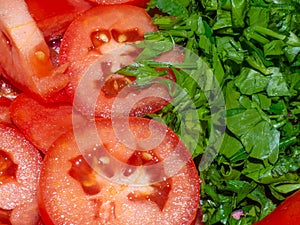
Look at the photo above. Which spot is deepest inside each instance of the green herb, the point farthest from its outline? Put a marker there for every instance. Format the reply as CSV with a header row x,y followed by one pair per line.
x,y
237,105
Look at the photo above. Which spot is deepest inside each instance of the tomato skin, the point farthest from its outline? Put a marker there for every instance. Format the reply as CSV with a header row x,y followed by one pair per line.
x,y
18,192
41,123
53,17
287,213
71,204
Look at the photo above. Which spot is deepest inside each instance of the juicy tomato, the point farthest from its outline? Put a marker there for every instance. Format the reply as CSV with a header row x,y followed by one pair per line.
x,y
20,165
119,171
25,57
141,3
41,123
53,17
287,213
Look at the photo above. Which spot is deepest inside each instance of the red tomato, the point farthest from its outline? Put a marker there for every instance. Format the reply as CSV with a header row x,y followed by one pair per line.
x,y
287,213
147,178
142,3
19,173
41,123
53,17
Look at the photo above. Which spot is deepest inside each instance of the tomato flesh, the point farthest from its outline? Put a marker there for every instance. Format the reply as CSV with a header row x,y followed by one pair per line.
x,y
85,184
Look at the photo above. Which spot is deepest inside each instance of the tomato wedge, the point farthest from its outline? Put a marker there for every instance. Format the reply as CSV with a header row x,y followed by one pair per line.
x,y
42,123
111,173
25,57
19,173
287,213
53,17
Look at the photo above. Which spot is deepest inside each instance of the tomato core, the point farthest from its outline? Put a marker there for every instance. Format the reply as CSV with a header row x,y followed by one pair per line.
x,y
7,168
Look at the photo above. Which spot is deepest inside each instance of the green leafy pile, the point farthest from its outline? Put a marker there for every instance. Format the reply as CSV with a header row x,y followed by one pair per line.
x,y
247,120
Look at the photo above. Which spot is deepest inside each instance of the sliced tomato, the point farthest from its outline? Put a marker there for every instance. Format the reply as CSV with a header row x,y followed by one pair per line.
x,y
53,17
25,57
20,165
287,213
105,34
141,3
111,173
42,123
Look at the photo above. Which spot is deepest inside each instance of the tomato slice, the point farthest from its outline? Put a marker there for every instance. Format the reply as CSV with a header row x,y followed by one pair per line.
x,y
105,34
287,213
42,123
53,17
142,175
25,58
19,173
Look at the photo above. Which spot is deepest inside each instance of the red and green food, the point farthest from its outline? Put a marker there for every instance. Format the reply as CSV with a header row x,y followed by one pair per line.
x,y
149,112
